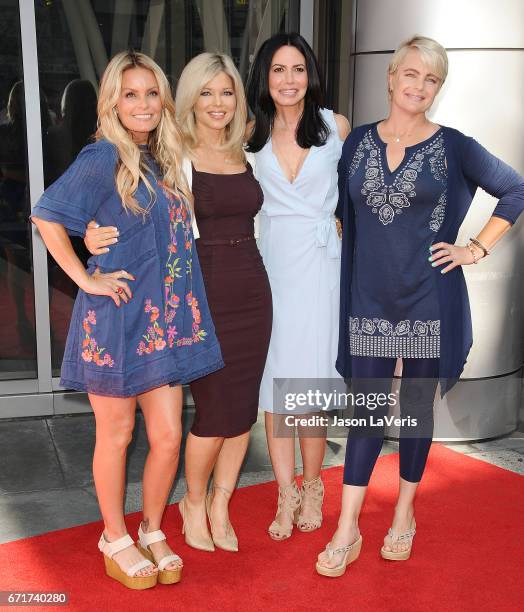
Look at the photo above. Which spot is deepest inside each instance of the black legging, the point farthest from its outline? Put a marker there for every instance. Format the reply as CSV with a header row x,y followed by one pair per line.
x,y
417,393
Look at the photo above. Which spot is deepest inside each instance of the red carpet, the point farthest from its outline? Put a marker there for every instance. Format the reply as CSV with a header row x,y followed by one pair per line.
x,y
467,552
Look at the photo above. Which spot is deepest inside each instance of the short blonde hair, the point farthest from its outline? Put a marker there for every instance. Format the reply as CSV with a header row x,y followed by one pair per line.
x,y
197,73
433,55
165,142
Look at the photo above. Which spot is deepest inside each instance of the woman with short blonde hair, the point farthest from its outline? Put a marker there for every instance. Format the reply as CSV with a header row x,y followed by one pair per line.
x,y
140,341
431,52
406,185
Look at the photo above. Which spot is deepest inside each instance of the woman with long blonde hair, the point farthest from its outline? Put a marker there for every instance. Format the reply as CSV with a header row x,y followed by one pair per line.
x,y
141,325
211,112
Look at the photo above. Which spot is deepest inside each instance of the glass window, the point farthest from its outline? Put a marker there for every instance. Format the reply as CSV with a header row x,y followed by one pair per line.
x,y
17,303
332,44
75,41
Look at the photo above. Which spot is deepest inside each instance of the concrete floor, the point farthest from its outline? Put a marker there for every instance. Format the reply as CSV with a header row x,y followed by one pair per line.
x,y
46,481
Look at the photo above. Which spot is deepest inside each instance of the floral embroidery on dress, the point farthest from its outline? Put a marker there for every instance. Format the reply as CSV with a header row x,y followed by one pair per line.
x,y
387,328
387,201
91,351
154,337
374,337
198,334
179,216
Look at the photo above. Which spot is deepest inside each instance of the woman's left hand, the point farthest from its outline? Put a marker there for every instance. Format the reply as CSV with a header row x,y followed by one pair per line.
x,y
444,253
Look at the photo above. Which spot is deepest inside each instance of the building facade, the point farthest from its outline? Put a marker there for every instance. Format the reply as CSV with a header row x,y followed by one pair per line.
x,y
53,53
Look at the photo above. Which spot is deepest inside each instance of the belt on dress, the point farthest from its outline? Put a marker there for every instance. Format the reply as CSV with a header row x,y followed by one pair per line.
x,y
326,236
225,242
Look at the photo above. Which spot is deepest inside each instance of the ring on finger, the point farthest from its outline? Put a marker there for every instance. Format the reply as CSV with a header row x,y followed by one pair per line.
x,y
120,290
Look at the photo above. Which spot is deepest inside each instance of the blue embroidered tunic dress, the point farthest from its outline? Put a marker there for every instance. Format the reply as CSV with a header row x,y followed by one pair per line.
x,y
394,301
469,166
165,333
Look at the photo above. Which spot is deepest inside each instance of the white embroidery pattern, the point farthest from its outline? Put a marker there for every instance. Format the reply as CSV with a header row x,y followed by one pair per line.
x,y
437,162
389,200
365,144
437,216
373,337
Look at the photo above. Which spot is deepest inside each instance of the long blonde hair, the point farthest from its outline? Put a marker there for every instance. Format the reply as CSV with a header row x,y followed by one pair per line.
x,y
165,141
197,73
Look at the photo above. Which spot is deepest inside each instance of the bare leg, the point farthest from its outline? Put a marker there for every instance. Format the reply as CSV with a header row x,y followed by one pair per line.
x,y
162,408
404,513
115,421
348,530
225,478
281,451
201,455
282,454
313,448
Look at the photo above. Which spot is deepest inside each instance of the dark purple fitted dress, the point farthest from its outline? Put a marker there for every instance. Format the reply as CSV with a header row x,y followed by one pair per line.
x,y
239,297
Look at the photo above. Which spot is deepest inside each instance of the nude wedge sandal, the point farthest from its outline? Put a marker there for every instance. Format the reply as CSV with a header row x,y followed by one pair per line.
x,y
165,576
401,555
289,501
113,569
351,553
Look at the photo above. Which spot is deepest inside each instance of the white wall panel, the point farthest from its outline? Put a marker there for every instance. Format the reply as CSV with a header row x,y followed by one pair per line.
x,y
382,24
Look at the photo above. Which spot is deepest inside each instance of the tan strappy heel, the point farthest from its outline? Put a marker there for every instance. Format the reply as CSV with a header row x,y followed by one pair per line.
x,y
228,542
289,501
312,497
198,542
401,555
165,576
351,553
127,577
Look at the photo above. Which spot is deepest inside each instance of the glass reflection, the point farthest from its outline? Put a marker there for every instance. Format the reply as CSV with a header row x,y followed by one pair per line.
x,y
75,41
17,309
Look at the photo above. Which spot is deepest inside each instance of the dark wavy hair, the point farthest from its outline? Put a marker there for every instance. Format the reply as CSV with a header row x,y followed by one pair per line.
x,y
312,129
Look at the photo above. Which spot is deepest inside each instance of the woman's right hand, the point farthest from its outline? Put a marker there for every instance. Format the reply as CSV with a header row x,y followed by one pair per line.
x,y
109,284
97,239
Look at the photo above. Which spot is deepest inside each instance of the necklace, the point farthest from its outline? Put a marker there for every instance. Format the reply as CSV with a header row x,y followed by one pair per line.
x,y
398,137
405,136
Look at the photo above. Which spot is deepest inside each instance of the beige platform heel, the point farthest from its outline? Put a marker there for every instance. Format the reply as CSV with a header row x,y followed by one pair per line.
x,y
289,501
113,570
228,542
401,555
312,497
165,576
351,553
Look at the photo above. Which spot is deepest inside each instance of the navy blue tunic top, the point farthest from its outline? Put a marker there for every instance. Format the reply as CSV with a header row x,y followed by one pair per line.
x,y
165,333
469,166
394,303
